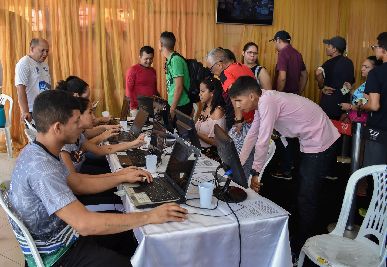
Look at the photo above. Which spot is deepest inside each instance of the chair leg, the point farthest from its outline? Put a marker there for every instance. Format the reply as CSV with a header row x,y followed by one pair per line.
x,y
8,141
301,259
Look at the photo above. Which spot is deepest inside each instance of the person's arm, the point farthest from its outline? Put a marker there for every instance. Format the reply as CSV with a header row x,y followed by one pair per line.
x,y
217,116
303,81
372,92
97,130
110,149
281,80
264,79
179,87
66,158
96,223
129,89
104,136
373,103
84,184
23,103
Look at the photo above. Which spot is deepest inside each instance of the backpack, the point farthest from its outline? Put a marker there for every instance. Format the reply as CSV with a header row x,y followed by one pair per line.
x,y
197,73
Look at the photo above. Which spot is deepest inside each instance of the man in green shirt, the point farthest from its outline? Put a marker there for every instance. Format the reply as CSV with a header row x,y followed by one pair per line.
x,y
177,76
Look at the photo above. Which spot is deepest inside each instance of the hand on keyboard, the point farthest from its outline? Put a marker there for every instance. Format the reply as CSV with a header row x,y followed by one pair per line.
x,y
170,212
138,142
133,175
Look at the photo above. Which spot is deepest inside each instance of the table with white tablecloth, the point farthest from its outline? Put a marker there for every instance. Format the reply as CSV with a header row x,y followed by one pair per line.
x,y
211,237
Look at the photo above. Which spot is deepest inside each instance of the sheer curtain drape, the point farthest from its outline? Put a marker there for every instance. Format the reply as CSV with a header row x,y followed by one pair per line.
x,y
98,40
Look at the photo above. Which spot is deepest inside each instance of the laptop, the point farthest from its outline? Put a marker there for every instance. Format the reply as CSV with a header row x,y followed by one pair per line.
x,y
173,186
124,111
134,131
146,103
136,157
186,128
161,113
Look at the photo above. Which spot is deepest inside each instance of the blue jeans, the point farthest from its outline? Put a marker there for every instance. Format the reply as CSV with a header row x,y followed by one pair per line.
x,y
313,168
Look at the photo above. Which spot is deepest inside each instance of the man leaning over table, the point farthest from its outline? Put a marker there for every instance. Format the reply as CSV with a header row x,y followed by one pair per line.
x,y
292,116
42,196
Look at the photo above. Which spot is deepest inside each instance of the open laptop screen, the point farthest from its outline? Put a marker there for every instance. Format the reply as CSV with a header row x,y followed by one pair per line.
x,y
181,165
125,109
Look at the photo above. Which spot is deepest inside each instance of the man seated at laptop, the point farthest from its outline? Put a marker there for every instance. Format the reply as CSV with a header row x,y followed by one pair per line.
x,y
212,114
80,88
42,195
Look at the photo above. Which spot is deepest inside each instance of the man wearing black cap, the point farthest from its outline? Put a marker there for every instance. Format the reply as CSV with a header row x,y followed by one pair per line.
x,y
291,77
332,75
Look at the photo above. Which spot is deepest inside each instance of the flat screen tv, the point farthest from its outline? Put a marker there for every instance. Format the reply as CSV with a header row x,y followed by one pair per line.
x,y
258,12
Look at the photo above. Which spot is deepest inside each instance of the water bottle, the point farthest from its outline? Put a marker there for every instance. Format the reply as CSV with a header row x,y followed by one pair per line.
x,y
2,116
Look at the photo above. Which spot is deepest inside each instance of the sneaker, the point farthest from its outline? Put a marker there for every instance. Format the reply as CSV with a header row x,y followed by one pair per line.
x,y
282,175
332,178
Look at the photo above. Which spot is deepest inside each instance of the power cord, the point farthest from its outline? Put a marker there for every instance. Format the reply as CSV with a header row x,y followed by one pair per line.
x,y
239,233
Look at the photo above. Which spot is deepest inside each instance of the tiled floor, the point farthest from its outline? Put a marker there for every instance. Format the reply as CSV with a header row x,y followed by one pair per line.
x,y
10,253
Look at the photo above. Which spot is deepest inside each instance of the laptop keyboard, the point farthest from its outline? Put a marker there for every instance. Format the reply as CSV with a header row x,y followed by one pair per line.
x,y
158,191
137,156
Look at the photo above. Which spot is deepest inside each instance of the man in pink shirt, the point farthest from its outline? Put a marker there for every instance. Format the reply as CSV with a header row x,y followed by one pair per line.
x,y
141,78
296,117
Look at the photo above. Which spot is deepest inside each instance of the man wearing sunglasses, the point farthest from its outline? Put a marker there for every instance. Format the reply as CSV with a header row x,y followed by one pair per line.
x,y
376,93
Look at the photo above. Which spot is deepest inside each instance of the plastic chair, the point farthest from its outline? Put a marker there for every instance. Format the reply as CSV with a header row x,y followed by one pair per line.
x,y
7,129
369,247
31,135
26,234
195,110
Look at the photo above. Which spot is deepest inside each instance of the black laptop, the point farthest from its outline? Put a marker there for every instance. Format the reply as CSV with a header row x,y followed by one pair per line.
x,y
173,186
146,103
124,111
187,129
134,131
136,157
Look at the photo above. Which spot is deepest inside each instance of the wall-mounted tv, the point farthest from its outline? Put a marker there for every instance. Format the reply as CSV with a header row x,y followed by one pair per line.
x,y
258,12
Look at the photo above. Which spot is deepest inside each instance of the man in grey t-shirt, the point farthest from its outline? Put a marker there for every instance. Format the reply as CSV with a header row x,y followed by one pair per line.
x,y
32,76
41,194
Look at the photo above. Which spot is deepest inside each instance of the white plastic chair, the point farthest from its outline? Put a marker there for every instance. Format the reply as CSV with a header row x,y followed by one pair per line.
x,y
31,135
195,110
26,234
336,250
7,129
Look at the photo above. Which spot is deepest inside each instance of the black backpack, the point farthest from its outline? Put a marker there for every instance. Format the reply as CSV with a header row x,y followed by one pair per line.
x,y
197,73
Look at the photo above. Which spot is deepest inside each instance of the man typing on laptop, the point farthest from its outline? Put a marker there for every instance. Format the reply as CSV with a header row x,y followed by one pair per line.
x,y
42,195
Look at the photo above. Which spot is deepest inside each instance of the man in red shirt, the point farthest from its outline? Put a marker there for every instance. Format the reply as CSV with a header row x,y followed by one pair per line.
x,y
228,71
141,78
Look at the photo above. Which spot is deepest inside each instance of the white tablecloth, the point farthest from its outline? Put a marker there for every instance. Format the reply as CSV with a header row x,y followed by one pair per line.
x,y
205,241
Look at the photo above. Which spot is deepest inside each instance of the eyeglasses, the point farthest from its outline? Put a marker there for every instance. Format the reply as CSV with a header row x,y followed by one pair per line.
x,y
214,65
375,46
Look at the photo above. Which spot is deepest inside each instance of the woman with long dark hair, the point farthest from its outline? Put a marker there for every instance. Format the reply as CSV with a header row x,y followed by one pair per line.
x,y
212,113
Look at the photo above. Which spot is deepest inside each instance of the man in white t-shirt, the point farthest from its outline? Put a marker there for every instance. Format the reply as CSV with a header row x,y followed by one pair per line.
x,y
32,76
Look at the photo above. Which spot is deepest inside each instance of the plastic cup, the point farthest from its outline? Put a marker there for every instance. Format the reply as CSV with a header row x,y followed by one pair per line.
x,y
105,114
151,163
205,192
124,125
133,113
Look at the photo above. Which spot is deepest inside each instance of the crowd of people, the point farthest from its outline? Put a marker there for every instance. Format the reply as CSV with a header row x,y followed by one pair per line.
x,y
64,170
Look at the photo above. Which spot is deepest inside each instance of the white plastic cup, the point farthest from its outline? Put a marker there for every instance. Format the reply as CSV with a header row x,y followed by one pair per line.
x,y
151,163
133,112
124,125
205,192
105,114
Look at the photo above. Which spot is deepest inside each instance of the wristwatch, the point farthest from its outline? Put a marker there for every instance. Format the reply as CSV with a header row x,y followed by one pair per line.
x,y
254,172
239,121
